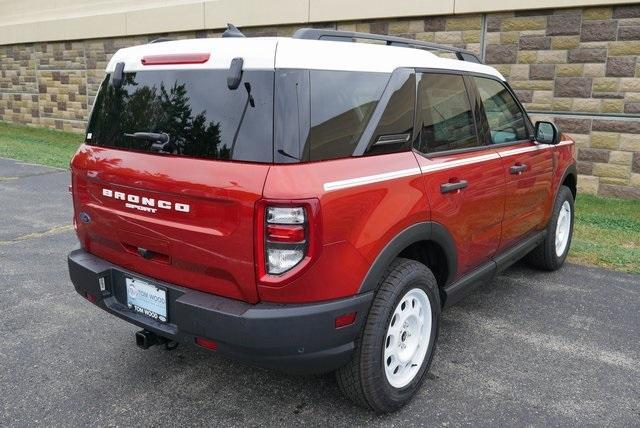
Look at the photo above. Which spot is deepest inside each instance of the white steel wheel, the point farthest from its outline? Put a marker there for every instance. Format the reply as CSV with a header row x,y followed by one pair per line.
x,y
407,338
563,228
406,305
551,253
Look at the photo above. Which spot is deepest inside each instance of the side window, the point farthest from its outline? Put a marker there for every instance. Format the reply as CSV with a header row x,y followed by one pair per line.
x,y
447,118
394,128
341,105
506,120
291,115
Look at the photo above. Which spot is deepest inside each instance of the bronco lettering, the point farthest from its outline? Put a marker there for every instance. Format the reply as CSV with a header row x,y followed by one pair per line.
x,y
144,203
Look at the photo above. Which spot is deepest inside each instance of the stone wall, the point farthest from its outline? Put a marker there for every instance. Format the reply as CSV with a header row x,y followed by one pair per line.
x,y
578,67
583,62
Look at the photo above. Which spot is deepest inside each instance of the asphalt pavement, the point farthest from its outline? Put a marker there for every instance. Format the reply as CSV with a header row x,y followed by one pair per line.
x,y
530,348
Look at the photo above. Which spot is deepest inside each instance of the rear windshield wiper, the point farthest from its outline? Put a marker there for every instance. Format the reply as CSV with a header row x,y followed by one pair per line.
x,y
160,142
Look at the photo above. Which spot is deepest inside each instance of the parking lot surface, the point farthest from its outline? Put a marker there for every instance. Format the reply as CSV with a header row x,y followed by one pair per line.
x,y
530,348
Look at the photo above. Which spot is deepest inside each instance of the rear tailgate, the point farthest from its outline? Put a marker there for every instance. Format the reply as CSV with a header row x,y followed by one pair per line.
x,y
174,160
194,216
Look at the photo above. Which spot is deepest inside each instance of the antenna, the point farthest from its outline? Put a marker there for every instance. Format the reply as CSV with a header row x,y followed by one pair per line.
x,y
232,31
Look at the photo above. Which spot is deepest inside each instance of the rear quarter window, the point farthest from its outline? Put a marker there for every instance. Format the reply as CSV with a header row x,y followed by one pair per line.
x,y
341,104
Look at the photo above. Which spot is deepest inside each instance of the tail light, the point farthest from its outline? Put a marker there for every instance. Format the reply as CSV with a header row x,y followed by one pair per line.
x,y
288,238
285,238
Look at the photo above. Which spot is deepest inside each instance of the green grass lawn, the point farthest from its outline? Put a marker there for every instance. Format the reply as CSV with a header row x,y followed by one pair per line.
x,y
38,145
607,231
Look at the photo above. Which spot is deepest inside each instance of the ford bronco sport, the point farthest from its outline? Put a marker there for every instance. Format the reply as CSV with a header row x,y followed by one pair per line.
x,y
311,205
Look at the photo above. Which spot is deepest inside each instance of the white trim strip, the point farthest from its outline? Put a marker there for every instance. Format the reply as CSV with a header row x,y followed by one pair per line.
x,y
369,179
360,181
376,178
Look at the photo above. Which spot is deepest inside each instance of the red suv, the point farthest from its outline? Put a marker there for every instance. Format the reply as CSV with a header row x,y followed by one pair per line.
x,y
311,205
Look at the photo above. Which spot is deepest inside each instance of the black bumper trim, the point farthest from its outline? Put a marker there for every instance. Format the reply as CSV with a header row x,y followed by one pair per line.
x,y
296,338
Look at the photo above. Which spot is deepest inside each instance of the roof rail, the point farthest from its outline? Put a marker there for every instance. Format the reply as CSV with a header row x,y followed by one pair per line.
x,y
352,36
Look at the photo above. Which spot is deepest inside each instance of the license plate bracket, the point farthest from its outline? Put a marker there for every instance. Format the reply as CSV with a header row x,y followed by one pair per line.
x,y
146,299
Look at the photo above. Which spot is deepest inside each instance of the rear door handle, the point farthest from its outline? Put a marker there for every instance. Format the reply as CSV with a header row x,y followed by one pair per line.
x,y
452,187
518,168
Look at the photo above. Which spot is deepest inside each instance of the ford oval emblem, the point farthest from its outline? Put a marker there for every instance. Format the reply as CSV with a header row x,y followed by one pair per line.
x,y
84,217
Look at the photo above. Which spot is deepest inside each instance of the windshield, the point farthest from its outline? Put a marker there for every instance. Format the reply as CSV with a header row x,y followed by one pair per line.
x,y
187,113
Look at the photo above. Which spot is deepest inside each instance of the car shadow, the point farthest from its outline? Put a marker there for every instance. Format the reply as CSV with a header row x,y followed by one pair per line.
x,y
189,374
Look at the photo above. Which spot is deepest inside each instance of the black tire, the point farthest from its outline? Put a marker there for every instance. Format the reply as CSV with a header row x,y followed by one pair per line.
x,y
544,256
363,379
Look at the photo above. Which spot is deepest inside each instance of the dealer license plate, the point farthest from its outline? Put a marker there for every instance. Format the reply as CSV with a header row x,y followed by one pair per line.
x,y
147,299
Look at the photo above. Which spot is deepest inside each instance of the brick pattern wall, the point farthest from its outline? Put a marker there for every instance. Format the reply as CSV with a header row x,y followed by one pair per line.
x,y
577,61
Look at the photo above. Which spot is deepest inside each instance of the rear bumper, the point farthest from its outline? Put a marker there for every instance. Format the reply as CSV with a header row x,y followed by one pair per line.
x,y
299,338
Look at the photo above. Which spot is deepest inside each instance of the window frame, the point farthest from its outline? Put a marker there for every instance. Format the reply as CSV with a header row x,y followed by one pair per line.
x,y
283,141
527,120
473,104
367,138
355,152
475,100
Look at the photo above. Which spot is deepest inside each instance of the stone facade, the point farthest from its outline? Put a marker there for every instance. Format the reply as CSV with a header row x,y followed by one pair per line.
x,y
577,67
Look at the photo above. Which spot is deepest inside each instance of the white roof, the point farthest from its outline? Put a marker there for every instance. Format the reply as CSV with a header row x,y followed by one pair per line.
x,y
281,52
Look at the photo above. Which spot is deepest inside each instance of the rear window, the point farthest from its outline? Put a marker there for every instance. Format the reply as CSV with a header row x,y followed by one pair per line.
x,y
201,116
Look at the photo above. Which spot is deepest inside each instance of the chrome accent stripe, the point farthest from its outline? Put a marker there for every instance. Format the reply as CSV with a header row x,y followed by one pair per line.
x,y
520,150
392,139
532,148
460,162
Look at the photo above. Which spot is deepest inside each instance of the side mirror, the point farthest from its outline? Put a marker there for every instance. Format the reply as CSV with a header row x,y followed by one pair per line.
x,y
547,133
